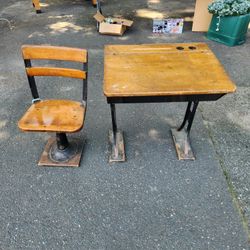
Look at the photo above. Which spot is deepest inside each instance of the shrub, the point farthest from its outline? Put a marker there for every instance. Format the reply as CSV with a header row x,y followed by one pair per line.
x,y
229,7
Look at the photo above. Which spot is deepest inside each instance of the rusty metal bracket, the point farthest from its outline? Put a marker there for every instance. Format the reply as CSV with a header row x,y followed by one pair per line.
x,y
117,148
182,145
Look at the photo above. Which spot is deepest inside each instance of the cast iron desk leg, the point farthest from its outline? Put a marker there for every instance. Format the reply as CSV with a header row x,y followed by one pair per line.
x,y
116,140
99,9
181,135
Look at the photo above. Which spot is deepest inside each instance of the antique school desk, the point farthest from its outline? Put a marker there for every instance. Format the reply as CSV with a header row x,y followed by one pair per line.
x,y
147,73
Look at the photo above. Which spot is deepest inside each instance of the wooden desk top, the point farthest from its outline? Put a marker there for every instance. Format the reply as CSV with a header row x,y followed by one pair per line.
x,y
163,70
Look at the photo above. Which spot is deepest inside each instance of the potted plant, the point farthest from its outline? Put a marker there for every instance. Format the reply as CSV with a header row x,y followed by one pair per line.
x,y
230,21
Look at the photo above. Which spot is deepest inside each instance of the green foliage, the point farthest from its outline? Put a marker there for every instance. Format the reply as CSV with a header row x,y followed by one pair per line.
x,y
229,7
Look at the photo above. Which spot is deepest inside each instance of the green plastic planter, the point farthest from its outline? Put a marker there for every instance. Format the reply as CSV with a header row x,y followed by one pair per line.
x,y
229,30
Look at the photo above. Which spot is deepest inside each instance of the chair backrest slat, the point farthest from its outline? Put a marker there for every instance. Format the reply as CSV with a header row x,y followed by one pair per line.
x,y
50,71
37,52
41,52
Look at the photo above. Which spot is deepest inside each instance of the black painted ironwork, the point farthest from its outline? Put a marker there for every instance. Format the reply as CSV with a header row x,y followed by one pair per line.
x,y
189,116
98,6
99,9
31,80
85,84
153,99
62,150
114,124
193,101
62,141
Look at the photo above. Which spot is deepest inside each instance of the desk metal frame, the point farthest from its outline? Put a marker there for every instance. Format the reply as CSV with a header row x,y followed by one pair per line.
x,y
180,135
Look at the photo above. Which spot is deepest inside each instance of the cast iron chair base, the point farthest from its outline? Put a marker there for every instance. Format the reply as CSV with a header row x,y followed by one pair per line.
x,y
54,157
117,150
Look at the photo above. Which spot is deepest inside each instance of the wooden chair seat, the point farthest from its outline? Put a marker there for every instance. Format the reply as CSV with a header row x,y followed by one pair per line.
x,y
63,116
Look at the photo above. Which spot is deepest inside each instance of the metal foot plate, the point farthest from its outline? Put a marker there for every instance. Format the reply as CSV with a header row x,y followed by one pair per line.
x,y
117,152
74,161
182,145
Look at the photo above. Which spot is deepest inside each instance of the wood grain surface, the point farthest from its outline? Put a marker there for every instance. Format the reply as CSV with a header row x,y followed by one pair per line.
x,y
162,70
53,116
50,71
54,53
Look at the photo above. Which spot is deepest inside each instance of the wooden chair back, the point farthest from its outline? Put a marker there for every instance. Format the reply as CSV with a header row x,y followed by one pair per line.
x,y
40,52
